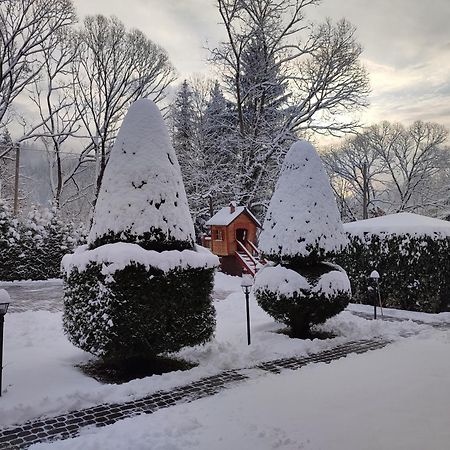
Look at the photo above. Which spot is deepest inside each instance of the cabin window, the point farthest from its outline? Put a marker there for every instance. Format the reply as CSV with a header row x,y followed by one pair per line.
x,y
217,235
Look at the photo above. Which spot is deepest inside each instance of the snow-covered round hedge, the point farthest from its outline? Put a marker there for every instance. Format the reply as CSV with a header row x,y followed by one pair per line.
x,y
123,301
414,269
302,300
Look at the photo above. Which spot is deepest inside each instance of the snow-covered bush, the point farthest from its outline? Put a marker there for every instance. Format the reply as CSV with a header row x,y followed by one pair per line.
x,y
60,237
10,249
33,235
413,262
302,229
140,286
32,248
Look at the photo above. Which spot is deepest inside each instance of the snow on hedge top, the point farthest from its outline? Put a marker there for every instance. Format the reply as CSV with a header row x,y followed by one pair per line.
x,y
287,282
119,255
401,223
302,214
281,280
142,185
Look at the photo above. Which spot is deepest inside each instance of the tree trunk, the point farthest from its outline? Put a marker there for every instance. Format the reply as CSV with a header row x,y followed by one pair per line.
x,y
299,324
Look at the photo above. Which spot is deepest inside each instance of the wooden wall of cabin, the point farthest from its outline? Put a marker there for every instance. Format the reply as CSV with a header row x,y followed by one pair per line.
x,y
219,246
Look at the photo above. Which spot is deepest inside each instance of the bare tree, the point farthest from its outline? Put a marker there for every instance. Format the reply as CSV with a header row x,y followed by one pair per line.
x,y
115,68
329,82
26,28
60,118
402,168
285,77
357,173
412,157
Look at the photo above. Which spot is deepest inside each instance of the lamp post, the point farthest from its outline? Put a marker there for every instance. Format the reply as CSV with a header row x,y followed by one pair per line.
x,y
4,303
375,277
246,284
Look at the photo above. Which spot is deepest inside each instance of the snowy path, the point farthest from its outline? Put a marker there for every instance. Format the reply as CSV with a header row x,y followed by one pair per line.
x,y
69,425
395,398
388,318
35,295
42,379
48,295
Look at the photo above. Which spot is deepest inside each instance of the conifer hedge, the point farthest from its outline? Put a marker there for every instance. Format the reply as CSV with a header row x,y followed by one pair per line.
x,y
139,310
140,287
414,270
301,230
32,248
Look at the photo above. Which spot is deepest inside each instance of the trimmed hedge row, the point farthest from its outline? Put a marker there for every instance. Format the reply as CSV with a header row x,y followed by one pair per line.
x,y
414,270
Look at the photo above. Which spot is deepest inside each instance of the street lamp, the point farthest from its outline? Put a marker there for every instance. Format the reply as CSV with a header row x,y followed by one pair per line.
x,y
246,284
4,303
375,277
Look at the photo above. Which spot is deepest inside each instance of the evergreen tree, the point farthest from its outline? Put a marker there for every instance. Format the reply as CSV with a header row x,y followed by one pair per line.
x,y
183,123
302,229
204,143
34,237
58,241
140,288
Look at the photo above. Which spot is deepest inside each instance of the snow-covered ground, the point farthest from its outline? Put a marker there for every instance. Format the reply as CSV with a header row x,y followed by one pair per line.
x,y
392,399
41,378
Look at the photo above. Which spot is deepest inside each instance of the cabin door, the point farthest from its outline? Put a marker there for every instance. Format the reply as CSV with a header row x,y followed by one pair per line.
x,y
241,235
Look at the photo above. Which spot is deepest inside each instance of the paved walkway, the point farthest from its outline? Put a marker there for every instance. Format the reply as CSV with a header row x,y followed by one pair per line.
x,y
438,325
68,425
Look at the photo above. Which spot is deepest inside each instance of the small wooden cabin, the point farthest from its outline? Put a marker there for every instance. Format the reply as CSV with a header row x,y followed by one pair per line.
x,y
232,237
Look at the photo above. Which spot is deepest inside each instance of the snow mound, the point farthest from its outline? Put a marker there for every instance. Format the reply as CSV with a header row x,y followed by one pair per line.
x,y
281,280
142,185
401,223
333,283
4,296
302,213
117,256
287,282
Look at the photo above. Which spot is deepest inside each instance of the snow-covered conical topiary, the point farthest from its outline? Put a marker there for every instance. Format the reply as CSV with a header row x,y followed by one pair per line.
x,y
140,287
302,227
302,220
142,197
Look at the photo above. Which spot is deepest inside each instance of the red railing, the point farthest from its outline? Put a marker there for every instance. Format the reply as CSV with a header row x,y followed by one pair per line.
x,y
245,265
257,251
245,250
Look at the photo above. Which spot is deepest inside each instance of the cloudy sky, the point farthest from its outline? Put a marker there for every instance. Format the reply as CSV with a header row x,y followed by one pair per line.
x,y
406,45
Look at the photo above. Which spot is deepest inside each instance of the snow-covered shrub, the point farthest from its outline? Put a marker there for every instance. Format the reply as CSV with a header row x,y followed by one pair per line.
x,y
414,268
33,236
32,248
60,237
297,300
302,228
140,286
11,253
